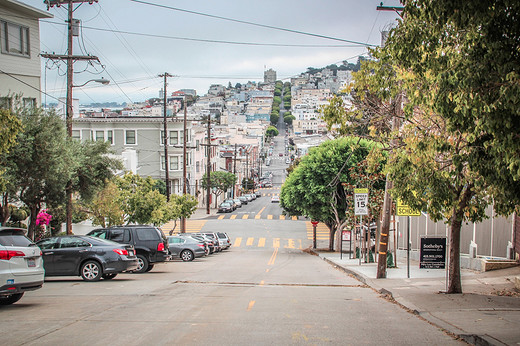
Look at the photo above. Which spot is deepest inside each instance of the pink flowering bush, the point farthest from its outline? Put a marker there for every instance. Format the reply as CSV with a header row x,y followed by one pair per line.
x,y
43,218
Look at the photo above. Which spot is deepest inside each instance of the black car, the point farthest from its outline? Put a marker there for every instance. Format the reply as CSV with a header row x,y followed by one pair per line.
x,y
88,257
149,242
225,208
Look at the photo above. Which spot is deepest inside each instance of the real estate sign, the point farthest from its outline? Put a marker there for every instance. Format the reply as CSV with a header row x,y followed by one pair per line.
x,y
433,253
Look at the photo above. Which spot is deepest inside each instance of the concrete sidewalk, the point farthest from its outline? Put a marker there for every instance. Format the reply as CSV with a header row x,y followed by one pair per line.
x,y
487,313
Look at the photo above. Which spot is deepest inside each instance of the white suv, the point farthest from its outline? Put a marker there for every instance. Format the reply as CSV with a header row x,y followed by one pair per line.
x,y
21,265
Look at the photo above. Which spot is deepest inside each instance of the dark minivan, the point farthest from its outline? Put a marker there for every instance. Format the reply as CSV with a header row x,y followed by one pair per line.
x,y
151,245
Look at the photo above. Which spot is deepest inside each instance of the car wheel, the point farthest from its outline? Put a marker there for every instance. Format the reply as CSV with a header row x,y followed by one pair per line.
x,y
206,251
187,255
142,264
91,271
109,276
150,267
10,299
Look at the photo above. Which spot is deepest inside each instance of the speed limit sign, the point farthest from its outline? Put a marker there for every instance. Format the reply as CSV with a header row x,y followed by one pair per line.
x,y
361,201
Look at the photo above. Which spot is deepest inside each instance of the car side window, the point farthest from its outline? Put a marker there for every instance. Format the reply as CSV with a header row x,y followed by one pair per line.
x,y
72,242
126,237
99,233
47,244
147,234
117,235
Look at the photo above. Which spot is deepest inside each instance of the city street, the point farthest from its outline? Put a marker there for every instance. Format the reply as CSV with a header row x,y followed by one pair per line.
x,y
266,289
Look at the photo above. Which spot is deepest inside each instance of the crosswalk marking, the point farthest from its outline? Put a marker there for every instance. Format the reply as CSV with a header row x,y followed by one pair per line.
x,y
221,217
257,216
237,242
276,242
233,217
294,218
250,241
192,226
245,217
269,217
261,242
290,244
282,217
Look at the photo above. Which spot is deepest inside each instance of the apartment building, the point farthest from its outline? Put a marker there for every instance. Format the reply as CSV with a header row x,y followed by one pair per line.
x,y
20,67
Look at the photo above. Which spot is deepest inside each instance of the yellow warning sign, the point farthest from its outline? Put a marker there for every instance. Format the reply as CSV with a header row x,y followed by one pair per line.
x,y
405,210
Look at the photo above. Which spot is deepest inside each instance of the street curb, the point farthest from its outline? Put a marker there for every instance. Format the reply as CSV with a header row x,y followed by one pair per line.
x,y
473,339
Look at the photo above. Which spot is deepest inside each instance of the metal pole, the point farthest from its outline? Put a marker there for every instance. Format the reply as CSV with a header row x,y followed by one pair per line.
x,y
408,248
234,169
184,159
69,111
208,168
361,240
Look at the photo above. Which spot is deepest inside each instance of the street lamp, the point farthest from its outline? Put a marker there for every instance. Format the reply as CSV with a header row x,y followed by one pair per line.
x,y
99,80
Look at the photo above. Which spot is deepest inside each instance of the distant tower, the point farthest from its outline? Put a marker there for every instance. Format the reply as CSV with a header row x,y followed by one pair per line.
x,y
270,76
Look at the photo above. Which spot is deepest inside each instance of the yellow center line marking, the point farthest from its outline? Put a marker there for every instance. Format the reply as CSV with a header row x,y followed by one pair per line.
x,y
245,217
261,242
273,257
257,216
233,217
221,217
250,306
237,242
262,283
250,241
269,217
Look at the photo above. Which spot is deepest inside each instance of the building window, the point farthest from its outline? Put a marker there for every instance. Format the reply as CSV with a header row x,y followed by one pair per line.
x,y
15,39
174,163
130,137
29,102
110,137
76,134
6,102
100,136
174,137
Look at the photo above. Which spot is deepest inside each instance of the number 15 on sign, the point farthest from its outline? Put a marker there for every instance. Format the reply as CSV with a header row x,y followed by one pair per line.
x,y
361,201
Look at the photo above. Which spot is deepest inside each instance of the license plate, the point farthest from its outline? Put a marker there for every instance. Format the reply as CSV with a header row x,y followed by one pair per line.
x,y
31,263
130,253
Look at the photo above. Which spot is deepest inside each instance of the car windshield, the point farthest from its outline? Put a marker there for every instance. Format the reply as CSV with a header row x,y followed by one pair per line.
x,y
221,235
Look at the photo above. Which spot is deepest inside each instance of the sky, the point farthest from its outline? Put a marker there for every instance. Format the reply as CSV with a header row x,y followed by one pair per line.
x,y
202,43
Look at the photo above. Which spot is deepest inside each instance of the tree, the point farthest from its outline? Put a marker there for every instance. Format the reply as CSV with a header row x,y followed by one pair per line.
x,y
271,131
179,206
39,166
105,209
275,116
314,189
288,119
248,184
220,182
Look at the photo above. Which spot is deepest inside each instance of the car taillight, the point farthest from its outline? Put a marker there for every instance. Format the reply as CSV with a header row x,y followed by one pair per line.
x,y
200,245
7,254
160,247
121,251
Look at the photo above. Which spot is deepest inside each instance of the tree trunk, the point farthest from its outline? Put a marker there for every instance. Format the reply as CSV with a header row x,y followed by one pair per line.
x,y
332,231
5,209
32,223
454,283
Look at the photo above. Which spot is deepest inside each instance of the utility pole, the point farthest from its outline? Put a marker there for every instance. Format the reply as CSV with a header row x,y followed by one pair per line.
x,y
70,71
387,200
184,159
234,169
165,140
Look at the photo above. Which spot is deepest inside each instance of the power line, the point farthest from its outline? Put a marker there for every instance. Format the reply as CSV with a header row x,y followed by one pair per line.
x,y
252,23
30,86
238,43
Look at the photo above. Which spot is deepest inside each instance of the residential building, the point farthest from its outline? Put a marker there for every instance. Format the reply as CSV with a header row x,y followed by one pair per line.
x,y
20,67
270,76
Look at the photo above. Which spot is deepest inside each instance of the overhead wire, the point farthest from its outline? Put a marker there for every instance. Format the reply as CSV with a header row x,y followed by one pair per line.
x,y
250,23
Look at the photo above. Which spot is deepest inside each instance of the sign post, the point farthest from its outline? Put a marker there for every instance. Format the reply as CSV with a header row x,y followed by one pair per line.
x,y
405,210
361,208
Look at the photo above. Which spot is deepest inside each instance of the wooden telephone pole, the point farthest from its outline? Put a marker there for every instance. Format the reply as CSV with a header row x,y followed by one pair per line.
x,y
165,140
70,58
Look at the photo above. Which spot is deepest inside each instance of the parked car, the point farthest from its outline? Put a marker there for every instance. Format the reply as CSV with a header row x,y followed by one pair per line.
x,y
232,202
89,257
21,265
186,248
214,238
252,195
151,245
225,208
275,199
224,241
249,197
212,247
243,199
288,160
238,202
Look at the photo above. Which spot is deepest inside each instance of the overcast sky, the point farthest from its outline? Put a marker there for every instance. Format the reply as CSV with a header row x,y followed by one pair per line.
x,y
136,40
